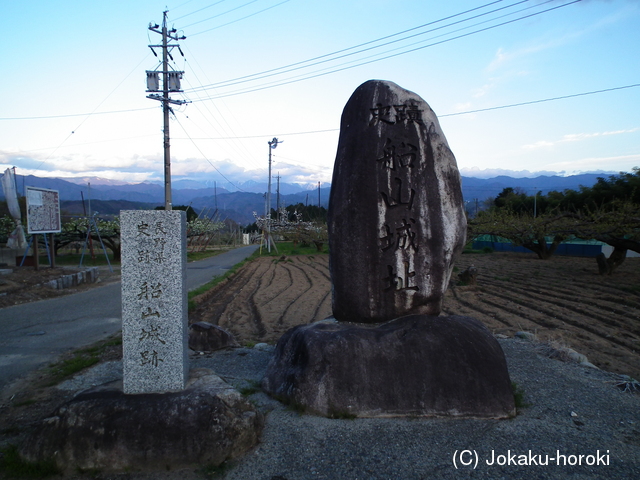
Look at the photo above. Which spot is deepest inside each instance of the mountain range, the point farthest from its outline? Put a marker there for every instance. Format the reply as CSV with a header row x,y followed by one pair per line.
x,y
109,196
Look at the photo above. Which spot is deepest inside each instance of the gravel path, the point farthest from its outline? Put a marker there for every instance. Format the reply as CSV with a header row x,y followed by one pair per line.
x,y
573,410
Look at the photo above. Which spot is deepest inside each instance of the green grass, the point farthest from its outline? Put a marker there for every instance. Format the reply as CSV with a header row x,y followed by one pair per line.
x,y
284,248
253,387
212,283
80,359
341,414
194,256
288,248
214,471
73,260
13,466
518,396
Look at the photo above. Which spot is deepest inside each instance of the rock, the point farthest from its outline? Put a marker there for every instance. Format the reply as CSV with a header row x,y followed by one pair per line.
x,y
469,276
396,213
525,336
104,429
414,365
206,337
264,347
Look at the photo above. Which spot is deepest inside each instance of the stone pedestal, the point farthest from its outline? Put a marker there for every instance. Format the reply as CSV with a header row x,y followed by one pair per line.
x,y
154,301
416,365
103,429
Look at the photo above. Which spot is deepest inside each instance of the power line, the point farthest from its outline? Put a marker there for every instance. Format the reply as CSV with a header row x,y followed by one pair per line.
x,y
196,11
315,75
78,114
288,68
240,147
541,100
240,19
531,102
205,157
218,15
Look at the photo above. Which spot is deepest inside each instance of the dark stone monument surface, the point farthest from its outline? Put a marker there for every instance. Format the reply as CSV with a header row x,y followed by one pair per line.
x,y
414,365
396,225
396,213
104,429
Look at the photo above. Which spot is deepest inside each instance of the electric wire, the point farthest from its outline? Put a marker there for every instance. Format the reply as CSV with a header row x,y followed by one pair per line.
x,y
288,68
89,115
206,158
239,145
276,83
240,19
541,100
218,15
78,114
196,11
316,75
511,105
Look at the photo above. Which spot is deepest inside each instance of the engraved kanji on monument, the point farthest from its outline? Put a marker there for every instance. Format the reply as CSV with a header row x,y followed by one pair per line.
x,y
154,301
396,215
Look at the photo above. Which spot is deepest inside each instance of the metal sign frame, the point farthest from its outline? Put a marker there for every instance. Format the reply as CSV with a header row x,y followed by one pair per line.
x,y
43,210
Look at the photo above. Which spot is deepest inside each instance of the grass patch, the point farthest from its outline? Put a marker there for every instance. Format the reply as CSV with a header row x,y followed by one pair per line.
x,y
253,387
79,360
212,283
288,248
195,256
518,396
71,259
14,466
214,471
341,414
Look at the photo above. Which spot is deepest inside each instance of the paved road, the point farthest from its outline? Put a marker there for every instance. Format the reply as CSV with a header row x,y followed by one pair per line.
x,y
33,334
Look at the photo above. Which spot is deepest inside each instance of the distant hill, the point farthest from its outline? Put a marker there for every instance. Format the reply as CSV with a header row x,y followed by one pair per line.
x,y
240,205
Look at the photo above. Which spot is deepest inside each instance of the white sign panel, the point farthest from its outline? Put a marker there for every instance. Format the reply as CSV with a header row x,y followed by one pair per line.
x,y
43,210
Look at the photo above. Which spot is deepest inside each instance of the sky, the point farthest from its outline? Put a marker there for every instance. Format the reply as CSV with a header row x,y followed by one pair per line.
x,y
75,101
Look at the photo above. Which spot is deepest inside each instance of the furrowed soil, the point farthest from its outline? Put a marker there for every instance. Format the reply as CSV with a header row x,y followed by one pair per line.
x,y
562,300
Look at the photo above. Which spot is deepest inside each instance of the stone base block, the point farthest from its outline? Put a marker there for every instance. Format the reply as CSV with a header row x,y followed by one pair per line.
x,y
102,428
414,365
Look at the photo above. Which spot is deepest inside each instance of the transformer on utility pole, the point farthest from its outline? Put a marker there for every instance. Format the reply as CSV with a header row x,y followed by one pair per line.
x,y
170,83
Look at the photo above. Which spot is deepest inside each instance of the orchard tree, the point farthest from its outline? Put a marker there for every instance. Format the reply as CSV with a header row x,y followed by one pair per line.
x,y
523,229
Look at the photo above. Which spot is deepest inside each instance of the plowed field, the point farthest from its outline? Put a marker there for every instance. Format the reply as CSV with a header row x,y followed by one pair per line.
x,y
561,299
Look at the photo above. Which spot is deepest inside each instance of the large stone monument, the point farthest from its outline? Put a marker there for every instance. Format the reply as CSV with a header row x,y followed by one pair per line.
x,y
154,301
396,215
396,225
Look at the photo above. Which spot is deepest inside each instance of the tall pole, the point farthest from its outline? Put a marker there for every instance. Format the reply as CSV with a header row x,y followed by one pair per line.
x,y
272,144
170,83
165,114
278,196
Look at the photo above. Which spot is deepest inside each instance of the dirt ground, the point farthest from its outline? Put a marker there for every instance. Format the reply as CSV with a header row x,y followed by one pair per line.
x,y
562,299
26,284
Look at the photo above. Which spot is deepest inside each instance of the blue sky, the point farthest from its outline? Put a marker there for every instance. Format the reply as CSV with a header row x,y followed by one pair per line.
x,y
69,65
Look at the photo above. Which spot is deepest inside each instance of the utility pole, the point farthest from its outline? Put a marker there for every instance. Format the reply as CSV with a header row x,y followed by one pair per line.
x,y
272,145
170,83
278,196
318,198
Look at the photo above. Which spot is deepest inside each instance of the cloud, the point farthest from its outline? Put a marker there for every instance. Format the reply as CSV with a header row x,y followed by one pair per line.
x,y
503,56
618,163
496,172
576,137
